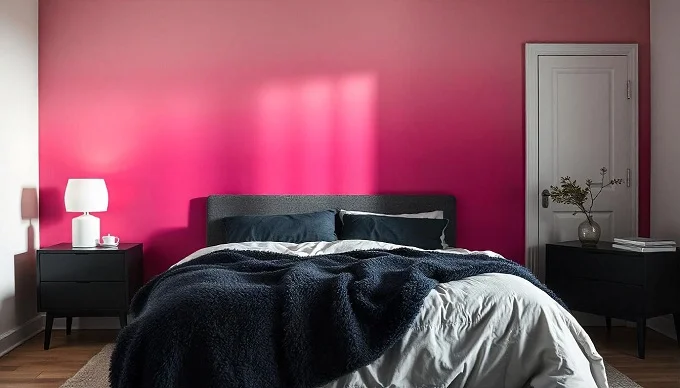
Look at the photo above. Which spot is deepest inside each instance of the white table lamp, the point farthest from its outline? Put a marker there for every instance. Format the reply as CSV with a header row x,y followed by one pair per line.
x,y
85,195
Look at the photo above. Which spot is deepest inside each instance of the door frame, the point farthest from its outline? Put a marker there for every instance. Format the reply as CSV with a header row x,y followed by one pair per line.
x,y
532,52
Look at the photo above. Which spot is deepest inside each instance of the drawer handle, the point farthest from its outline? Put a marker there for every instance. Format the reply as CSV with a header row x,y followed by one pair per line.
x,y
83,282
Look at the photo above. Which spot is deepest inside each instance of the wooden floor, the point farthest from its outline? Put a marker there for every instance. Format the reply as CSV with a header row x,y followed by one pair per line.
x,y
659,369
31,366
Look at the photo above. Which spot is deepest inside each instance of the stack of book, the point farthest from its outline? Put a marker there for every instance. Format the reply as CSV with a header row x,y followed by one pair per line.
x,y
644,244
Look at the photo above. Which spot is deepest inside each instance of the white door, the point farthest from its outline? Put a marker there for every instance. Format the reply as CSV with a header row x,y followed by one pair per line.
x,y
584,124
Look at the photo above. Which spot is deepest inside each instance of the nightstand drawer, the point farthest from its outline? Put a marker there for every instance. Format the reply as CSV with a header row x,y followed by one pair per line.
x,y
74,296
67,267
603,298
597,266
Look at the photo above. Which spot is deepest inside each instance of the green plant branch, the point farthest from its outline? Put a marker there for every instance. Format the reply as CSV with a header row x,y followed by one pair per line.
x,y
571,193
592,200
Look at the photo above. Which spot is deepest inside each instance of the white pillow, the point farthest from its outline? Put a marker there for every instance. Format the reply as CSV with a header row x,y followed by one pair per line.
x,y
433,215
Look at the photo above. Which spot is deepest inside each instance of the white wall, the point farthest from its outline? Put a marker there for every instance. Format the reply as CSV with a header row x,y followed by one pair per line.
x,y
665,179
18,170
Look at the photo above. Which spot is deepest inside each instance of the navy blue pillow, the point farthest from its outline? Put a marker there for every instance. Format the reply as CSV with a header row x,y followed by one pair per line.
x,y
415,232
295,228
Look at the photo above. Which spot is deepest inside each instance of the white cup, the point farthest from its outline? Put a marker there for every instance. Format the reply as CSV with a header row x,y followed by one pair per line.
x,y
110,240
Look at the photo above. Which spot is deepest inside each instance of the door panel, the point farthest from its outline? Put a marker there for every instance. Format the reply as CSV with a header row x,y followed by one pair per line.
x,y
584,125
575,118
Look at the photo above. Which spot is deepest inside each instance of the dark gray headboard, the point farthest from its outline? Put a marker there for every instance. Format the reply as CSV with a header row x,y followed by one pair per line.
x,y
221,206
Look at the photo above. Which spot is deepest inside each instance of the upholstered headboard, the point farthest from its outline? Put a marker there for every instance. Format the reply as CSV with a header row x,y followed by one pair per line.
x,y
221,206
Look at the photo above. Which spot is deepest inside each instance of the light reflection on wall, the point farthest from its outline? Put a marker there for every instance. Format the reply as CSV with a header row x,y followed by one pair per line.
x,y
316,110
357,144
272,158
317,136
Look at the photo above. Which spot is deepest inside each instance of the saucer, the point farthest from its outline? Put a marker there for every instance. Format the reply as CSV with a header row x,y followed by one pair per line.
x,y
108,245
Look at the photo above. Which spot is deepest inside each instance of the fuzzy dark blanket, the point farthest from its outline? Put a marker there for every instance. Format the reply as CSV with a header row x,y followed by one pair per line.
x,y
259,319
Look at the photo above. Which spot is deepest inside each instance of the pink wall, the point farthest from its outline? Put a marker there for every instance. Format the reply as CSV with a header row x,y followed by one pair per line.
x,y
171,101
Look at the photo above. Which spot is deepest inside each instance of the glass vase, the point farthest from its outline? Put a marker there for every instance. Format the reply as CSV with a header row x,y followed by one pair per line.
x,y
589,232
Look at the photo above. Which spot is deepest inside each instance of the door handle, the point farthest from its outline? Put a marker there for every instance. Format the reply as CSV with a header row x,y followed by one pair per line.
x,y
545,200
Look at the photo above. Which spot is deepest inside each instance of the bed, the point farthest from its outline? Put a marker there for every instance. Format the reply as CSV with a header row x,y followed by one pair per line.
x,y
352,312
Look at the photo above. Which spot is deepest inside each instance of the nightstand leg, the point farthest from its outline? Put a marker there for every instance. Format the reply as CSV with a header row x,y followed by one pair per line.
x,y
608,322
641,331
69,322
676,318
123,319
49,320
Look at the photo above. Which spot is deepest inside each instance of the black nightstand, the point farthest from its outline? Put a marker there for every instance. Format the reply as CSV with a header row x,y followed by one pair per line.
x,y
87,282
602,280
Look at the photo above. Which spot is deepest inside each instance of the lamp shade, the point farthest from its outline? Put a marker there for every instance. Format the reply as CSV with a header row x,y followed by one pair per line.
x,y
86,195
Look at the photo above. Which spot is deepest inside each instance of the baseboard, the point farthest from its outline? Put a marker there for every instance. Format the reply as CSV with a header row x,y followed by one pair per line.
x,y
663,325
17,336
585,319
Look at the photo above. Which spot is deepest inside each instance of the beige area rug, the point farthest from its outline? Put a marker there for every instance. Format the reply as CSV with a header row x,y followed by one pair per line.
x,y
95,374
617,379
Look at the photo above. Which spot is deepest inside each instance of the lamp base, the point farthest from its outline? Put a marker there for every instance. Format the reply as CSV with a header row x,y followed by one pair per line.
x,y
85,231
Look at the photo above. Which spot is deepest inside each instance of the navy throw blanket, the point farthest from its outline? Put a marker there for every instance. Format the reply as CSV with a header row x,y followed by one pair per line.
x,y
260,319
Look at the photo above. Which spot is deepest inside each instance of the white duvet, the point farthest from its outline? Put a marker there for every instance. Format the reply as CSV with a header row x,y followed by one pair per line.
x,y
492,330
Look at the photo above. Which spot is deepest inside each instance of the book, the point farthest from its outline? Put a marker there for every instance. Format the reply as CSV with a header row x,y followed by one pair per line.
x,y
644,242
635,248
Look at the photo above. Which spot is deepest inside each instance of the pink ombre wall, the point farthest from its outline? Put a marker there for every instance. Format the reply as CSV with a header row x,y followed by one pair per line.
x,y
170,101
